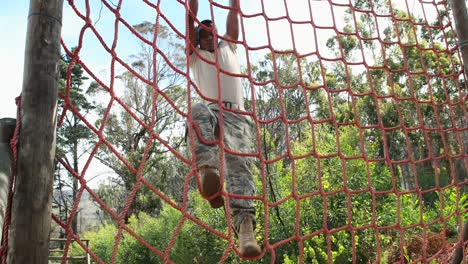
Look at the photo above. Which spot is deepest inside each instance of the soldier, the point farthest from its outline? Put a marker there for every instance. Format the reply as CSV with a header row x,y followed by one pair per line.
x,y
205,58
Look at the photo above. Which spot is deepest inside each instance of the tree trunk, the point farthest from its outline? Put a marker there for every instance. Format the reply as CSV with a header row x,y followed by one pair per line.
x,y
74,225
7,128
32,201
460,15
458,256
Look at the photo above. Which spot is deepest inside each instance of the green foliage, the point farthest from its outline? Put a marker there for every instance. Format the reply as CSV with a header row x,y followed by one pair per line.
x,y
448,206
141,132
101,243
353,174
192,244
72,130
73,135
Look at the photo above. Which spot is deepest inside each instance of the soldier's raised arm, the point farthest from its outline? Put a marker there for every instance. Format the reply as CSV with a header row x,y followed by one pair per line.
x,y
232,22
192,31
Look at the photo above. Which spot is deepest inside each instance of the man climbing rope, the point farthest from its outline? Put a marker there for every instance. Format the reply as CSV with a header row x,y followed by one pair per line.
x,y
205,55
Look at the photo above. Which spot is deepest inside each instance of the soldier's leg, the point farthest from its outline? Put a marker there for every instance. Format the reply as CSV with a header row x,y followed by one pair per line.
x,y
205,122
239,179
205,130
238,137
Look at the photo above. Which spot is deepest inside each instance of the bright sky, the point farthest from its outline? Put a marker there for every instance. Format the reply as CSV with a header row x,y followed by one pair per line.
x,y
278,32
13,22
13,34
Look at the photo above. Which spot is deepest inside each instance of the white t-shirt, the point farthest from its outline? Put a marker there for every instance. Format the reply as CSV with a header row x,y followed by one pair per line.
x,y
206,73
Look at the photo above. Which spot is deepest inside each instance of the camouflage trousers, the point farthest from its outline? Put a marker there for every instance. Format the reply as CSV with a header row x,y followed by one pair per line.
x,y
237,136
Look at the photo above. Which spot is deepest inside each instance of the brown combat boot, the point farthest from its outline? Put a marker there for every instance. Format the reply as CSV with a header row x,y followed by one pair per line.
x,y
210,185
248,245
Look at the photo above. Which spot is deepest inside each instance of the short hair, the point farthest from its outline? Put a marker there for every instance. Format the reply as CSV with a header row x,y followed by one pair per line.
x,y
205,22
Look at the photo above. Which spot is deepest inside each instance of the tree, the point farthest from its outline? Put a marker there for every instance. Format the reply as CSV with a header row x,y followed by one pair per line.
x,y
146,129
408,95
411,92
72,136
348,106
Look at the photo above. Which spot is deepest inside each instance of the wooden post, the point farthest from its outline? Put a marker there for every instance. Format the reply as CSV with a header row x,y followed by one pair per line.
x,y
460,15
458,255
7,128
31,207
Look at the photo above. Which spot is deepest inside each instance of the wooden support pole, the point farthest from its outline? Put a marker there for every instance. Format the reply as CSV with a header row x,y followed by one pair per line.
x,y
7,128
458,255
31,207
460,15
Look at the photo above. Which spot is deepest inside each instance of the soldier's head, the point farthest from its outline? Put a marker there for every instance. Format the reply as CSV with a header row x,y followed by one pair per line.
x,y
205,35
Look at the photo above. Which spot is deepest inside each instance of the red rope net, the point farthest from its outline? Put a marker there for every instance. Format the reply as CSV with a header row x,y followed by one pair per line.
x,y
360,129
